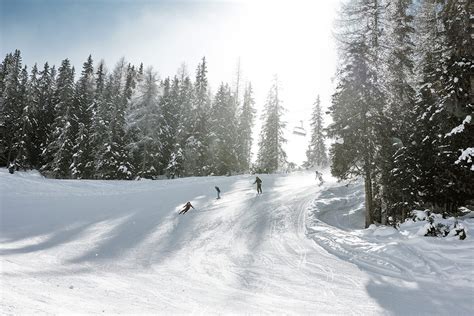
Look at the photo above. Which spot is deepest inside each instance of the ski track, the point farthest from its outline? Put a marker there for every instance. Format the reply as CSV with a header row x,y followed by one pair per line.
x,y
119,247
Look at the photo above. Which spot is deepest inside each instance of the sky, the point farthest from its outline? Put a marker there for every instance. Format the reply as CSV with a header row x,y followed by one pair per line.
x,y
290,39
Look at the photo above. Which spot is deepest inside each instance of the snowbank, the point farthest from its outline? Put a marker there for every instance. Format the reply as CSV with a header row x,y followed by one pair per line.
x,y
441,267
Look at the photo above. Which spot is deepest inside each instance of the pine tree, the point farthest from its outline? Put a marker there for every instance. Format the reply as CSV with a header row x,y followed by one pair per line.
x,y
143,123
30,116
357,105
394,131
197,145
224,129
316,153
46,111
245,125
12,103
58,154
453,109
170,118
271,156
83,166
100,123
22,143
178,164
114,161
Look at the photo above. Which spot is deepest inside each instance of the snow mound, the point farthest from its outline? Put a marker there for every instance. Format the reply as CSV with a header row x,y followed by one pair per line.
x,y
433,265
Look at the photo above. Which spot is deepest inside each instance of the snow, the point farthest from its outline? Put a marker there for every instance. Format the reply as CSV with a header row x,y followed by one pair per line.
x,y
467,154
460,128
109,247
410,273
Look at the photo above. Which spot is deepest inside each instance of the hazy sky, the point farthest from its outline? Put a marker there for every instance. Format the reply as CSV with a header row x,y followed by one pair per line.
x,y
290,38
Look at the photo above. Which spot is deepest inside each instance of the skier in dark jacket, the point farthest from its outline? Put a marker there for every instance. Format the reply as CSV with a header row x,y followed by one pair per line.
x,y
319,176
186,208
258,181
218,192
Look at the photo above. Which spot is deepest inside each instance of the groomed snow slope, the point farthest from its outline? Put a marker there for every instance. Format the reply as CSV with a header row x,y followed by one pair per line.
x,y
120,247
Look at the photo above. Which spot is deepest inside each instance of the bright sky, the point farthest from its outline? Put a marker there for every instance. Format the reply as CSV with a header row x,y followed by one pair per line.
x,y
292,39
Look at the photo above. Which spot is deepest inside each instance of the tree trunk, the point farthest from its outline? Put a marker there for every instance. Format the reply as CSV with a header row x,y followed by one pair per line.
x,y
368,199
383,206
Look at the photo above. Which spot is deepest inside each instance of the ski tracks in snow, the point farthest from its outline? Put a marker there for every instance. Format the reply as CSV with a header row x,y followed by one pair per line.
x,y
241,254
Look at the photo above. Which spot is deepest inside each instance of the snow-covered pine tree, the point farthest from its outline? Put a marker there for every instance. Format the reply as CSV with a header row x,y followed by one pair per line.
x,y
271,156
114,161
224,128
316,154
357,105
100,123
143,121
454,107
12,103
83,162
244,130
46,112
398,87
177,165
169,120
171,116
196,151
60,149
22,141
31,148
416,172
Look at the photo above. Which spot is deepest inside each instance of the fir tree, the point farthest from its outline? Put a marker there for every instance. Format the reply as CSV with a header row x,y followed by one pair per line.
x,y
224,129
316,154
271,156
114,161
46,111
357,105
22,141
245,125
143,120
170,118
58,154
99,130
197,145
12,103
179,165
396,124
83,166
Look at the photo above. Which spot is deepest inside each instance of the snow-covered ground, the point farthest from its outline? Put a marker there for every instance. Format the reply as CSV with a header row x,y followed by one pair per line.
x,y
120,247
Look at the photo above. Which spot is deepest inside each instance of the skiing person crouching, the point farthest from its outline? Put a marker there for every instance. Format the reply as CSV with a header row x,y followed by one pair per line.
x,y
186,208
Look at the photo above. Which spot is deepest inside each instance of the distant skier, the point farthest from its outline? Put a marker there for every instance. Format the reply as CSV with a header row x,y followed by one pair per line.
x,y
11,167
186,208
218,192
258,181
319,176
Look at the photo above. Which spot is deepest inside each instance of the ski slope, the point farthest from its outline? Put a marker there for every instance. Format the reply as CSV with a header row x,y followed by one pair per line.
x,y
120,247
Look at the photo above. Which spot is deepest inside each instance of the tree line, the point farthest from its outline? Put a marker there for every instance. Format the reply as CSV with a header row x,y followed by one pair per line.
x,y
402,111
127,123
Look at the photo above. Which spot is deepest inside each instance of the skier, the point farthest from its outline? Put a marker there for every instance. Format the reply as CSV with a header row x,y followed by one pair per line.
x,y
186,208
11,167
258,181
218,192
319,176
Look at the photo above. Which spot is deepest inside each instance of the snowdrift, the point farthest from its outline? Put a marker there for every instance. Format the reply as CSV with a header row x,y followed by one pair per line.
x,y
407,262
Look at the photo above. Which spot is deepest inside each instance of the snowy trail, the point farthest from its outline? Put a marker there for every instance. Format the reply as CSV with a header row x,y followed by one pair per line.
x,y
120,247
